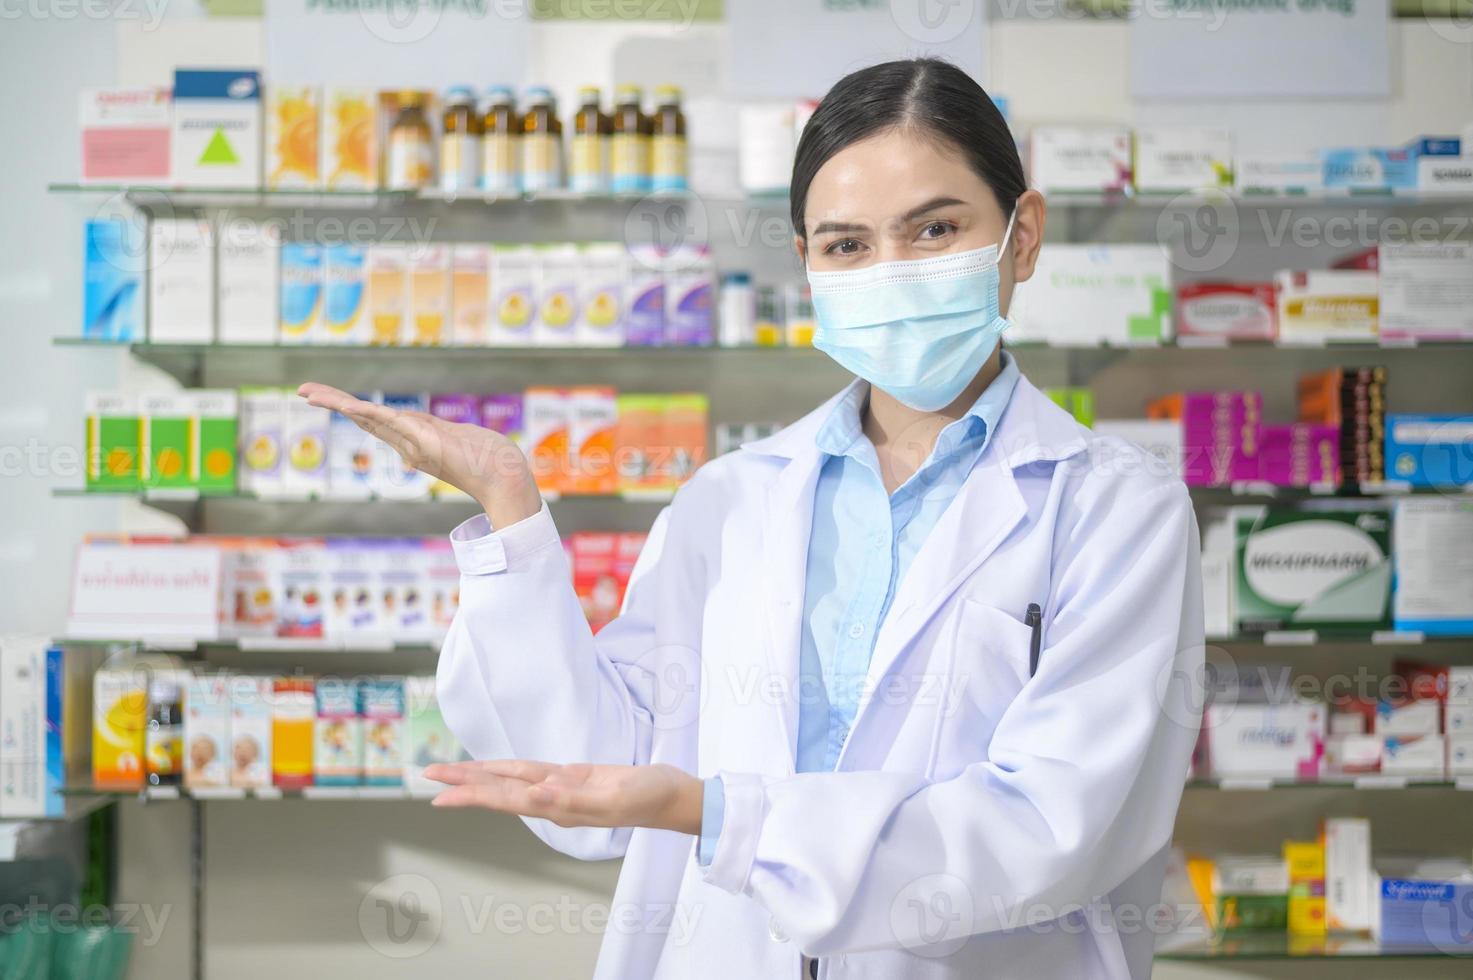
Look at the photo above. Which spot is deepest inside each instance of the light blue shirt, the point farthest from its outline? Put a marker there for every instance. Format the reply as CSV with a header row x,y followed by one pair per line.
x,y
862,543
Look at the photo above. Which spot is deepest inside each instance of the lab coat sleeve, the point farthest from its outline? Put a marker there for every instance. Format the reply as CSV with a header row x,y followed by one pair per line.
x,y
521,675
1081,788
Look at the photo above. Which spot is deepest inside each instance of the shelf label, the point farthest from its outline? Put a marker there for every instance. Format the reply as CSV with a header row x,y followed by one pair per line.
x,y
1379,782
1290,638
1394,638
1236,783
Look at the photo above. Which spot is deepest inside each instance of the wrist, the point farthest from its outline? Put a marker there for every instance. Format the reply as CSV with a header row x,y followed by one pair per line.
x,y
683,810
508,505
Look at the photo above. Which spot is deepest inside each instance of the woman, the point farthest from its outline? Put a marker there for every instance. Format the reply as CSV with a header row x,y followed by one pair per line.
x,y
818,735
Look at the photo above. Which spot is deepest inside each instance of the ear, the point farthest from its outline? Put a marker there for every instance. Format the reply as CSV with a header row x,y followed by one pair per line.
x,y
1027,239
801,247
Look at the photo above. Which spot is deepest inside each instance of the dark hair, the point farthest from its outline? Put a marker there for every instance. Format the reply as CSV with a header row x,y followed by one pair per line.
x,y
932,97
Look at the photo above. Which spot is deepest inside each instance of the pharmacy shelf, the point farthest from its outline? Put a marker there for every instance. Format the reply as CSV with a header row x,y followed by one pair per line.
x,y
106,794
1368,784
1280,945
260,644
1342,638
156,195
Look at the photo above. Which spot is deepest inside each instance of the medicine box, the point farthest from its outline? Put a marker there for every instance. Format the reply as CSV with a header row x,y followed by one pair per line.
x,y
216,135
1079,159
37,701
1327,306
305,440
113,441
262,430
1086,295
1182,160
349,151
1279,741
381,701
249,282
1418,716
1321,570
547,418
119,718
116,253
1283,173
181,281
1349,899
689,288
1414,756
403,588
301,293
427,739
170,453
556,322
1432,540
645,302
514,292
470,294
351,456
593,417
252,724
1210,312
214,415
125,135
429,295
345,317
1430,450
1369,168
354,606
293,721
601,313
292,141
388,294
1423,913
337,746
1426,291
206,731
1353,755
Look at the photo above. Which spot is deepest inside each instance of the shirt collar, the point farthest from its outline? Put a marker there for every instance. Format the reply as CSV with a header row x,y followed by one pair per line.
x,y
843,426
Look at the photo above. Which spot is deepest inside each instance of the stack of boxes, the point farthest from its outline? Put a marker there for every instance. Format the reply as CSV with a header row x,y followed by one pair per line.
x,y
1352,401
1221,434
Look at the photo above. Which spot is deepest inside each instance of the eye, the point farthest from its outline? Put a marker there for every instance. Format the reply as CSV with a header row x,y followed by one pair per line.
x,y
845,246
937,229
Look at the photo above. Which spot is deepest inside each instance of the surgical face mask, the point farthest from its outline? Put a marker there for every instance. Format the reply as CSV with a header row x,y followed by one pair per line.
x,y
918,329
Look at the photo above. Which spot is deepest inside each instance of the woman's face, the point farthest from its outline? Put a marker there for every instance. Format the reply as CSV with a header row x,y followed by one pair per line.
x,y
899,196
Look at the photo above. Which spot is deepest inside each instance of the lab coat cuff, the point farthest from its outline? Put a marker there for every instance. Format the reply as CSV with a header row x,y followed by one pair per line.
x,y
483,550
743,813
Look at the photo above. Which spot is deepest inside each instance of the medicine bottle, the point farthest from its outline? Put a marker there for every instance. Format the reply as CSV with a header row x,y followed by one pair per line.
x,y
542,133
667,148
629,166
163,745
500,134
588,169
411,153
460,142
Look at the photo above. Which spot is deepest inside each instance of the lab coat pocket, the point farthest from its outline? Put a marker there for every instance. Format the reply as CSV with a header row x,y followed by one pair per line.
x,y
988,667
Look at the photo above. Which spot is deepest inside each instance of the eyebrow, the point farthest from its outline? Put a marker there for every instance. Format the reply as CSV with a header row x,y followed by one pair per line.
x,y
845,227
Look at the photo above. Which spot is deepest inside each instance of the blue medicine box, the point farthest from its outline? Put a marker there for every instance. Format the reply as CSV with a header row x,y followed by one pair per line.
x,y
1430,450
1417,912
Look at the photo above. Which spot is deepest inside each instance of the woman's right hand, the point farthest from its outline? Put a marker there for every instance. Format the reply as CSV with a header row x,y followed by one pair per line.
x,y
483,463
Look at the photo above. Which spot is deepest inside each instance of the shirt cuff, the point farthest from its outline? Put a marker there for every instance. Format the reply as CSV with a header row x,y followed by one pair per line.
x,y
744,810
713,809
483,550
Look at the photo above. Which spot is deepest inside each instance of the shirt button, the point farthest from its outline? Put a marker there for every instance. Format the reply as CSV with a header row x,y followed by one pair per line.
x,y
856,631
775,931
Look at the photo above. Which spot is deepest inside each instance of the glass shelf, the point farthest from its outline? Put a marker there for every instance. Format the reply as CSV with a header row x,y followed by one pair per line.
x,y
260,644
1281,946
146,195
1363,784
318,793
167,498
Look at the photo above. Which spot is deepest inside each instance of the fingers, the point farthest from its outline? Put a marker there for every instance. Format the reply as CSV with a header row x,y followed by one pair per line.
x,y
460,773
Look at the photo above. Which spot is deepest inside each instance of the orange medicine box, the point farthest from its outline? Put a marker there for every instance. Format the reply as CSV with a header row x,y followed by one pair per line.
x,y
639,443
293,718
685,433
595,580
545,422
593,418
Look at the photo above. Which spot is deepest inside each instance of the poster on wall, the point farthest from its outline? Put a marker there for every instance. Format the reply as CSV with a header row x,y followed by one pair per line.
x,y
389,45
796,49
1195,49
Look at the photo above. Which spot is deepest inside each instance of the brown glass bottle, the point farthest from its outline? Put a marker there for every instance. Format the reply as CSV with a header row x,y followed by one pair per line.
x,y
667,142
500,139
542,137
629,165
588,168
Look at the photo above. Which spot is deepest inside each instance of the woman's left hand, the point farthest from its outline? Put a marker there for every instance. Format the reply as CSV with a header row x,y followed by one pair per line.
x,y
577,795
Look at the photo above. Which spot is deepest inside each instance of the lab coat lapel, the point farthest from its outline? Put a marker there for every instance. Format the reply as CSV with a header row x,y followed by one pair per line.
x,y
787,525
985,510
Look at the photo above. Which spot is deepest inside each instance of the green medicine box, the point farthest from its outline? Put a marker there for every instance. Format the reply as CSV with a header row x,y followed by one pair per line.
x,y
1314,570
112,443
168,460
215,417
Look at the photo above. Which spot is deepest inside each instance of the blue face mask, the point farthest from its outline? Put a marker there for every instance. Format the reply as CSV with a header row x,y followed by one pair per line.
x,y
917,329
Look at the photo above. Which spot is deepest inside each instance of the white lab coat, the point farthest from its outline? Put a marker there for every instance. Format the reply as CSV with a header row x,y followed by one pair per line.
x,y
980,824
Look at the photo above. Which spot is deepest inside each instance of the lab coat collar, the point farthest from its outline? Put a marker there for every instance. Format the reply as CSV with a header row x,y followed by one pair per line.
x,y
1032,429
